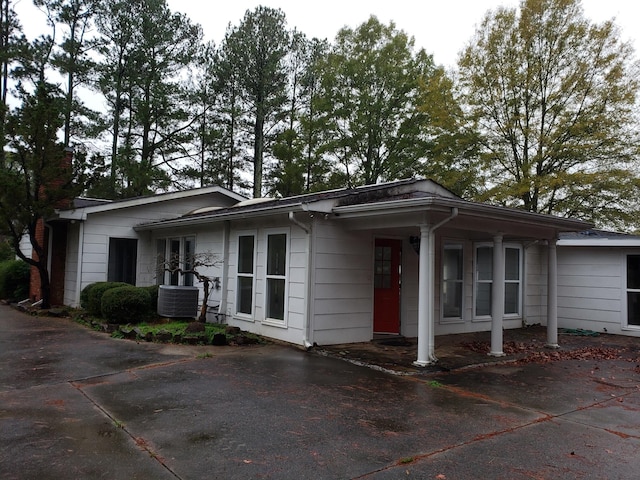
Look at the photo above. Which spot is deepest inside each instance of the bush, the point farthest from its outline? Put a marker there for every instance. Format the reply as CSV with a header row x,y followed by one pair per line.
x,y
14,280
97,290
127,304
84,295
153,293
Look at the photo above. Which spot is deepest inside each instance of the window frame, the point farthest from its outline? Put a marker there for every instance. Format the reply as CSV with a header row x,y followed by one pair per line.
x,y
163,277
452,245
625,301
121,251
519,281
252,275
277,322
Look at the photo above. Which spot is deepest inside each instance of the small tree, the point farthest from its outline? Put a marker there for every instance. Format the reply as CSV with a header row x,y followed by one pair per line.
x,y
193,266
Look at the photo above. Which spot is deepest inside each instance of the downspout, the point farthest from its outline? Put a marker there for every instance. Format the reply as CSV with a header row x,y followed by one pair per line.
x,y
307,341
79,266
426,313
226,232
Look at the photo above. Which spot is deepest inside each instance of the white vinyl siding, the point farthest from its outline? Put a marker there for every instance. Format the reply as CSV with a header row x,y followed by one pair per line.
x,y
592,289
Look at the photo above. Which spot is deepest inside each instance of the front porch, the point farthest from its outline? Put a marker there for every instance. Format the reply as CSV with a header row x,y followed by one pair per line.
x,y
397,354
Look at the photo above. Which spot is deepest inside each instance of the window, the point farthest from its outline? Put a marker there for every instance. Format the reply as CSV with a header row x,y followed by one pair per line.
x,y
276,275
174,253
244,298
122,260
633,290
382,267
512,280
452,281
484,280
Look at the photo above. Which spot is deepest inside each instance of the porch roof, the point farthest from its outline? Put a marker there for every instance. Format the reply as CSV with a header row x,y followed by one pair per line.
x,y
405,203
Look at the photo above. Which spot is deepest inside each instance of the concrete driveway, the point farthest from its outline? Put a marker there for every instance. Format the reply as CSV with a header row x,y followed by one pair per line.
x,y
78,404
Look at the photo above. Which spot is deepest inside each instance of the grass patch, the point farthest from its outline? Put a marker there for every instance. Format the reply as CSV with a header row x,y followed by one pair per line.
x,y
435,384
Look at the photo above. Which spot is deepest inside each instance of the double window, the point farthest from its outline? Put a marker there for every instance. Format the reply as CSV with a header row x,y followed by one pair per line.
x,y
275,275
483,280
174,257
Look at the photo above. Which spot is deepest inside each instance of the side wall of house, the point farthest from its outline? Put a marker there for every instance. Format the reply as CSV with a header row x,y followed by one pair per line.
x,y
535,294
71,266
292,328
592,289
342,284
119,223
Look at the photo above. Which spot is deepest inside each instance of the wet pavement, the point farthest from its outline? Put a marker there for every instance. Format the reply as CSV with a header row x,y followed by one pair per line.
x,y
78,404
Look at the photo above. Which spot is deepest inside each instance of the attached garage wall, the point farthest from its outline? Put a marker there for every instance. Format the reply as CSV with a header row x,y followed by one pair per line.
x,y
343,285
592,289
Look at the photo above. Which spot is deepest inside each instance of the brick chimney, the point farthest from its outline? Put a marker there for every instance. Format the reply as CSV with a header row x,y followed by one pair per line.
x,y
58,241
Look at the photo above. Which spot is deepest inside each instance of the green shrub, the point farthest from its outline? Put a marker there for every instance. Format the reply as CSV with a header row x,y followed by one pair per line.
x,y
14,280
127,304
97,290
6,251
84,295
153,293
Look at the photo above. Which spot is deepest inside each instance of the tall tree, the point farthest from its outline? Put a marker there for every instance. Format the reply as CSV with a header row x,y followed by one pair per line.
x,y
10,41
34,179
553,97
149,49
72,57
371,93
259,45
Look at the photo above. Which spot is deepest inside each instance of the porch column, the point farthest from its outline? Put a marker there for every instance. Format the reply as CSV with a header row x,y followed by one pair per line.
x,y
552,294
426,340
497,298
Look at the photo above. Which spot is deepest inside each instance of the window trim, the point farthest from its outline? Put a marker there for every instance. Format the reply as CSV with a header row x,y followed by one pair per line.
x,y
163,277
520,281
276,322
452,245
626,290
249,317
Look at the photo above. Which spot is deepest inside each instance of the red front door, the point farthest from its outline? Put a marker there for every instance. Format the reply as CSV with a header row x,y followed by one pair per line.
x,y
386,280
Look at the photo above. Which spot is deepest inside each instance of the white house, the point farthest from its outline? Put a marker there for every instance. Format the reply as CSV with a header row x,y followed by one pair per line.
x,y
599,282
407,257
96,241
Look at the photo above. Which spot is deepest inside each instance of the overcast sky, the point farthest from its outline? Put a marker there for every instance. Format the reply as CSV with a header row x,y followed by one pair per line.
x,y
442,27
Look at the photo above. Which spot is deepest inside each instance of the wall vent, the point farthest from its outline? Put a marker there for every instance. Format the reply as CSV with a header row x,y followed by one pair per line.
x,y
176,301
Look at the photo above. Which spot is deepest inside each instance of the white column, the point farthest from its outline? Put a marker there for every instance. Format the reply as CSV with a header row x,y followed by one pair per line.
x,y
426,349
497,298
552,295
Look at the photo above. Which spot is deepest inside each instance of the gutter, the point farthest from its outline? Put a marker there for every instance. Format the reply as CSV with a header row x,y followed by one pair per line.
x,y
307,340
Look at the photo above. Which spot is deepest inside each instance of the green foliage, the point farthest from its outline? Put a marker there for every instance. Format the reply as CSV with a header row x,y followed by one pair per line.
x,y
371,91
14,280
84,295
6,250
553,97
257,48
95,294
153,296
125,304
